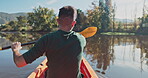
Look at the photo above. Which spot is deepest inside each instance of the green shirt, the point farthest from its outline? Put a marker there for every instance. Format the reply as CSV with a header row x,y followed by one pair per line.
x,y
63,51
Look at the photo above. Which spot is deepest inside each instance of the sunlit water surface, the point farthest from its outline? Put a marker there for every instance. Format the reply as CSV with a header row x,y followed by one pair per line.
x,y
110,56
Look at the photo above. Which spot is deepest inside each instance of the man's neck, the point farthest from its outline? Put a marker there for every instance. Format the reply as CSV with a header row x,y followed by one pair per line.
x,y
65,29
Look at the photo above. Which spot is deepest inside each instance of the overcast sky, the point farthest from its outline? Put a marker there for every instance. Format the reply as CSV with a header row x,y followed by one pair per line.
x,y
124,8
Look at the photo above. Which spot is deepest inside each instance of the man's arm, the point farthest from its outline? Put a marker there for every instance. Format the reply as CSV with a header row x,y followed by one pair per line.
x,y
17,57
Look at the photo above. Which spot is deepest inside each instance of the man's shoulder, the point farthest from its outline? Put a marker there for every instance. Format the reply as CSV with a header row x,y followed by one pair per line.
x,y
79,35
81,38
50,34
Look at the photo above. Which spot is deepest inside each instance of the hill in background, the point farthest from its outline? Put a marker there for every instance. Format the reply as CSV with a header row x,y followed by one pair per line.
x,y
6,17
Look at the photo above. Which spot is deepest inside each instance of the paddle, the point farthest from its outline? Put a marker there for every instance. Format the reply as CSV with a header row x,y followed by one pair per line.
x,y
88,32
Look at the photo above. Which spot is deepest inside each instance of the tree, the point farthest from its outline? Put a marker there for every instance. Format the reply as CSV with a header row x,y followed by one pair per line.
x,y
81,20
105,17
119,26
13,25
22,23
5,27
113,16
42,19
99,16
93,16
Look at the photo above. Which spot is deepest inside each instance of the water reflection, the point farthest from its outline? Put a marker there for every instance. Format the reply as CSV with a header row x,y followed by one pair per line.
x,y
107,52
8,68
9,37
102,48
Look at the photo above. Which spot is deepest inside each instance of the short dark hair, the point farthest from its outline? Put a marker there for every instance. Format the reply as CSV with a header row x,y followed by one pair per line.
x,y
67,11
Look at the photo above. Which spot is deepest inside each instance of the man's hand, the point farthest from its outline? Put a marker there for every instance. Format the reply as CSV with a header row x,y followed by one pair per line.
x,y
17,57
16,46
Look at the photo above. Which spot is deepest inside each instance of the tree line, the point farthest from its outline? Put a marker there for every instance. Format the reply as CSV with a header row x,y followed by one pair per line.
x,y
41,19
44,19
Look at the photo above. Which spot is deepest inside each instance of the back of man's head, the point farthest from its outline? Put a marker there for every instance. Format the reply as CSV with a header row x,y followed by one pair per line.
x,y
68,11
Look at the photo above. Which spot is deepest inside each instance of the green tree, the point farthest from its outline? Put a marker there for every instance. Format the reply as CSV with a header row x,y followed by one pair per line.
x,y
81,20
13,25
42,19
99,16
145,19
6,27
119,26
93,16
105,17
22,23
16,25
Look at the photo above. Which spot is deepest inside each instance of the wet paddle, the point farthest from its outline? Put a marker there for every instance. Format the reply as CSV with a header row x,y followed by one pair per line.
x,y
88,32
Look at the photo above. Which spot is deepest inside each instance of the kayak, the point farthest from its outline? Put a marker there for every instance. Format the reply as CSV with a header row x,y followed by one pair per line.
x,y
85,68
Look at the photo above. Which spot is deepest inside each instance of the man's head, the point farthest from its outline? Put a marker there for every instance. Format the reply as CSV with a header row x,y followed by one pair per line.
x,y
67,16
68,11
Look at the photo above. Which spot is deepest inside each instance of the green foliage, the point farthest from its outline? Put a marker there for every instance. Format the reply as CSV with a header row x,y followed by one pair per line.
x,y
93,16
105,18
42,19
16,25
143,25
13,25
119,26
99,16
117,33
21,23
81,20
5,17
144,21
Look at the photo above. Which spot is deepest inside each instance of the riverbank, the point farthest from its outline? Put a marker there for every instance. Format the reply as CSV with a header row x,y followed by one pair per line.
x,y
122,33
103,33
117,33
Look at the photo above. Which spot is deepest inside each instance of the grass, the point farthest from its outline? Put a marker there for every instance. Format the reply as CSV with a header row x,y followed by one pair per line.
x,y
117,33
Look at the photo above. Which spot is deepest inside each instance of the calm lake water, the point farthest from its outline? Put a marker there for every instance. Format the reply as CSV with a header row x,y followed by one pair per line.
x,y
111,56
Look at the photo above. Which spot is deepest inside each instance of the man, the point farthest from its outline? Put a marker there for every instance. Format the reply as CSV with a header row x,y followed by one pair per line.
x,y
63,48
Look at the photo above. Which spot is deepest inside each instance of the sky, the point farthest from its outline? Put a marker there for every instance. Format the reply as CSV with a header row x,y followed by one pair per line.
x,y
124,8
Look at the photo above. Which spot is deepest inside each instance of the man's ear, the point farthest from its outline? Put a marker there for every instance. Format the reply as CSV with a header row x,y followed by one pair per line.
x,y
73,23
57,20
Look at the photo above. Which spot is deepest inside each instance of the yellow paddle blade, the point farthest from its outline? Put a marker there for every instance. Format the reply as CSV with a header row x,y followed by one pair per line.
x,y
0,48
88,32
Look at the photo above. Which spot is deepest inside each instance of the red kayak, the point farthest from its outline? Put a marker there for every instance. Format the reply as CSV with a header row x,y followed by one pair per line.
x,y
85,68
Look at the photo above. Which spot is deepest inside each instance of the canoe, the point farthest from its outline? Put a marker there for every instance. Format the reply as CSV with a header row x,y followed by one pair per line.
x,y
85,68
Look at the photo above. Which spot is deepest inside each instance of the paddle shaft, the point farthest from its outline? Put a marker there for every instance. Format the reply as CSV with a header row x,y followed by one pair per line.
x,y
88,32
24,44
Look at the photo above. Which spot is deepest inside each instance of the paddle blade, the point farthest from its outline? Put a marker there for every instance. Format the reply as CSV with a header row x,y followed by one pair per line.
x,y
89,32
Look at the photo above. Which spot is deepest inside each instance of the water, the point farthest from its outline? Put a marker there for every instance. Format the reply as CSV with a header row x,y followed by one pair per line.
x,y
112,56
8,68
119,56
